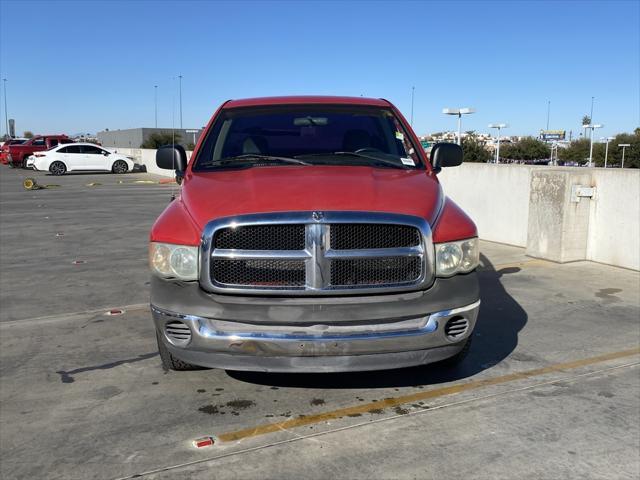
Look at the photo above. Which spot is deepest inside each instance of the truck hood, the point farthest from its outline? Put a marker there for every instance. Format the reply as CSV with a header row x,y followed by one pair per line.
x,y
212,195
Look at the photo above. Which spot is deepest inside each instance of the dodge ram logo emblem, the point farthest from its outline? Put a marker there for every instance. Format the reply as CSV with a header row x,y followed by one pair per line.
x,y
317,216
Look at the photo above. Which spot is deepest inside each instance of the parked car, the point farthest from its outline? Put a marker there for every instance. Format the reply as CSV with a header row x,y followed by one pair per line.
x,y
312,235
13,141
80,157
15,155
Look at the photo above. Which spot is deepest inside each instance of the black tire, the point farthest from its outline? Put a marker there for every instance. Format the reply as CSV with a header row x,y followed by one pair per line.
x,y
57,168
169,362
460,356
120,166
24,162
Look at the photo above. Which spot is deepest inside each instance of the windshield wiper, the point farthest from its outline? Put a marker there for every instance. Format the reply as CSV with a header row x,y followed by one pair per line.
x,y
383,161
246,159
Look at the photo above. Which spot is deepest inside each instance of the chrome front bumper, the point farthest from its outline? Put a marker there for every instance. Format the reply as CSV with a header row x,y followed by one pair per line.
x,y
316,347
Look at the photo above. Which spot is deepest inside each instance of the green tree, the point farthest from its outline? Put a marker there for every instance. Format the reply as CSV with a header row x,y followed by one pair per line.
x,y
474,151
27,134
578,151
159,139
528,148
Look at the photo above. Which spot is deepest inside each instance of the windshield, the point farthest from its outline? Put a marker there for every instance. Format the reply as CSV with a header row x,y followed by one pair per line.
x,y
307,135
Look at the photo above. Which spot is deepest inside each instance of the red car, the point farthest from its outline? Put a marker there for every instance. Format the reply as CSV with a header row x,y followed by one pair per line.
x,y
15,155
312,235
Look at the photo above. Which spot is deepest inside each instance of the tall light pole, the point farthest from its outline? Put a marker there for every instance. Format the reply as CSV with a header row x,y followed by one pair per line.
x,y
591,127
591,116
623,145
606,149
498,126
155,90
548,112
412,92
6,116
458,112
180,87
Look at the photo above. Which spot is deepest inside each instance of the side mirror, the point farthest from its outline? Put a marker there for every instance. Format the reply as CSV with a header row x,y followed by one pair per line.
x,y
445,155
172,157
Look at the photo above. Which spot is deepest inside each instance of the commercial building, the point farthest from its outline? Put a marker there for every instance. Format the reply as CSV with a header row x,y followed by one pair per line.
x,y
135,137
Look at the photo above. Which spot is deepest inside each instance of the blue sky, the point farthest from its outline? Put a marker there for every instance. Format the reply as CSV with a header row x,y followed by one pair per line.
x,y
86,66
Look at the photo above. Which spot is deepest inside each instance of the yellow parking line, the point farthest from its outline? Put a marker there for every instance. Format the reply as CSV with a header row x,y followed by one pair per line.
x,y
414,397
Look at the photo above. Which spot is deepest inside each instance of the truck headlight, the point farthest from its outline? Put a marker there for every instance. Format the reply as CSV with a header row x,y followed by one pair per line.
x,y
174,261
457,257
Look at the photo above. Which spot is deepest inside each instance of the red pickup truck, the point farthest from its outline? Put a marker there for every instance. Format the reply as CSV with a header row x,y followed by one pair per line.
x,y
15,155
312,235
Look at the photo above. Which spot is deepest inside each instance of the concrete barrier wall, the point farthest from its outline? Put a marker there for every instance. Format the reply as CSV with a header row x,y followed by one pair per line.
x,y
147,157
614,223
605,228
495,196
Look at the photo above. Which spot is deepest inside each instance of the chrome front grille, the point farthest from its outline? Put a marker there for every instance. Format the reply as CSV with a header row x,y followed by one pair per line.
x,y
316,253
259,272
375,271
261,237
352,236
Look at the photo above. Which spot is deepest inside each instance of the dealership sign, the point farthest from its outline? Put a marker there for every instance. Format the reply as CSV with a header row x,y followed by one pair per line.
x,y
553,134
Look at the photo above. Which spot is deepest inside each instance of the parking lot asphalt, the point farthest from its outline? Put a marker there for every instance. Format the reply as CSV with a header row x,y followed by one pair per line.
x,y
551,388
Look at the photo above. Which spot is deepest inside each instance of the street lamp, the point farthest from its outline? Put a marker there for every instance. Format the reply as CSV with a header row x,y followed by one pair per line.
x,y
591,127
155,89
498,126
458,112
623,145
6,117
606,149
180,77
413,89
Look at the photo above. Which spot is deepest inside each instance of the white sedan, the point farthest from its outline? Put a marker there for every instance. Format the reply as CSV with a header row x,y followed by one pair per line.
x,y
76,157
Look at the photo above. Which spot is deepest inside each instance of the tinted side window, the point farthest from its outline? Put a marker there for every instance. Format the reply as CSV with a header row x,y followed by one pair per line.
x,y
39,142
73,149
64,150
91,150
53,142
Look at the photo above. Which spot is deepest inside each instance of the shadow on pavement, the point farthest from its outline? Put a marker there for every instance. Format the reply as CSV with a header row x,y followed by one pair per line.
x,y
495,337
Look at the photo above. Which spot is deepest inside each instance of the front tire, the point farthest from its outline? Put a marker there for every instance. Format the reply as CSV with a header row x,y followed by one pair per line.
x,y
57,168
169,362
120,166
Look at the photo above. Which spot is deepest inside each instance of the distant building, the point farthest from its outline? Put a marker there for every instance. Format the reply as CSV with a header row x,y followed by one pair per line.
x,y
135,137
